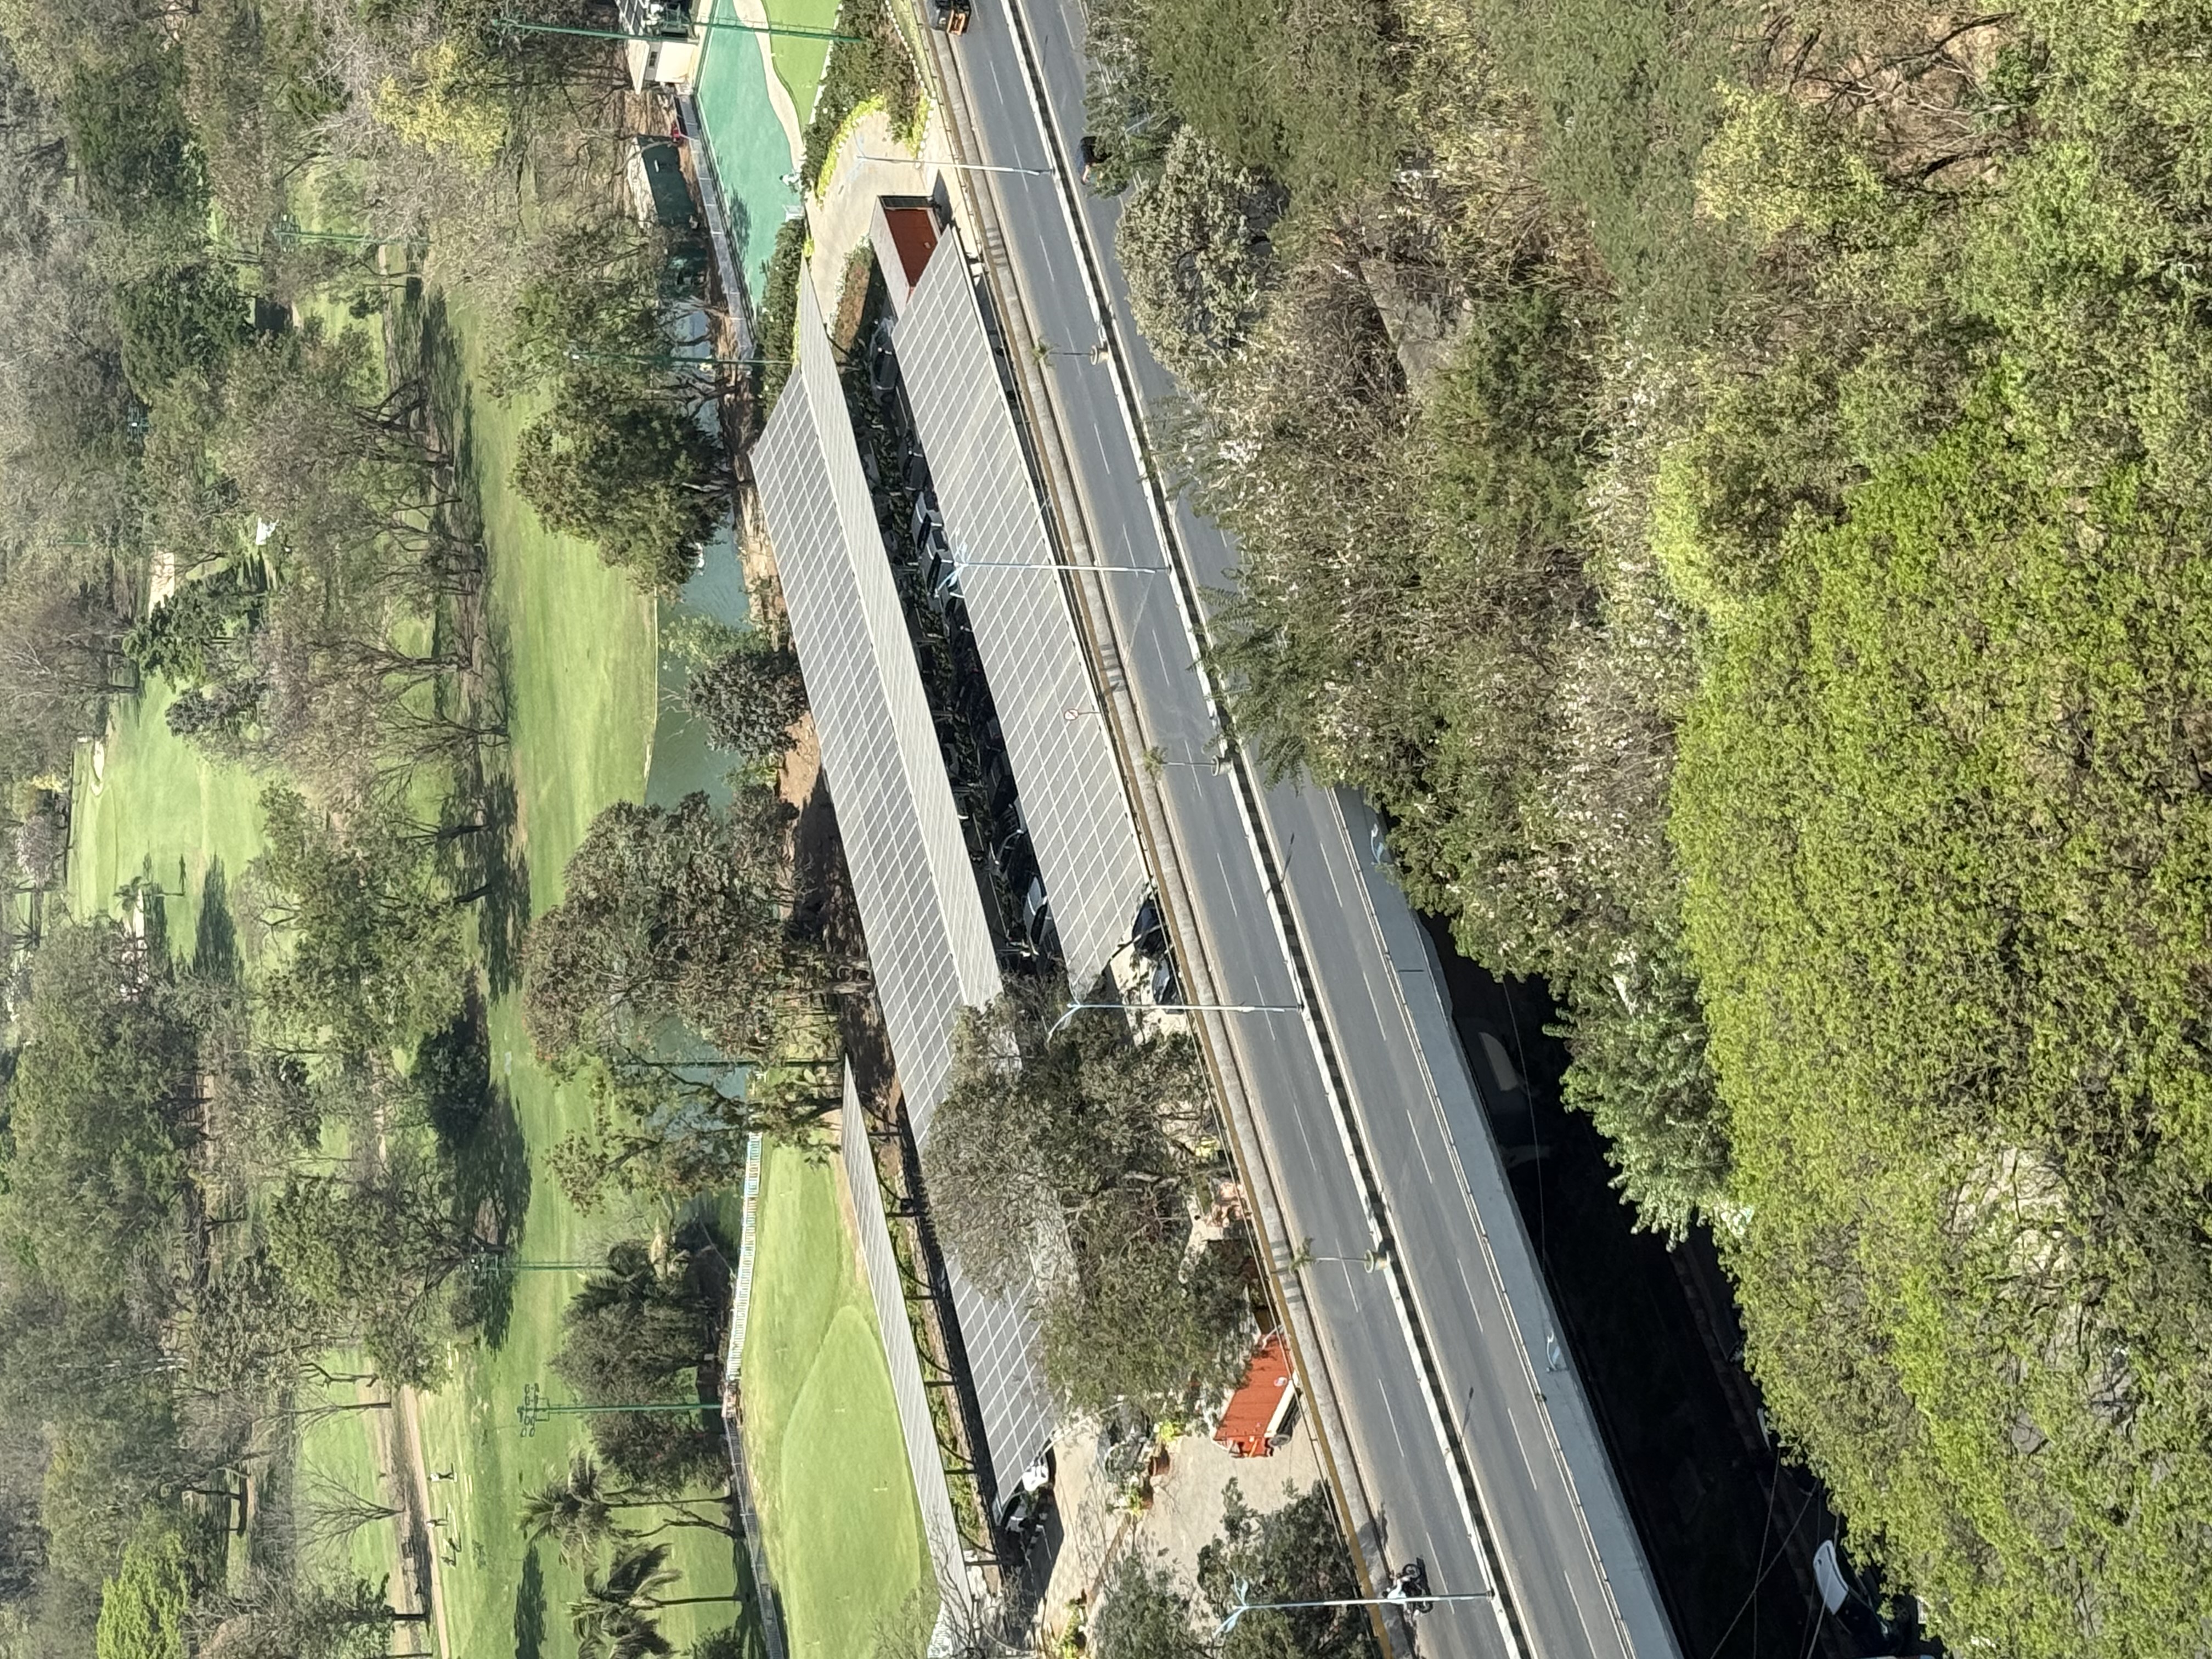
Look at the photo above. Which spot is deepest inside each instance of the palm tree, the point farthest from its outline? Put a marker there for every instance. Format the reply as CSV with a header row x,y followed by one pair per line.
x,y
615,1618
577,1511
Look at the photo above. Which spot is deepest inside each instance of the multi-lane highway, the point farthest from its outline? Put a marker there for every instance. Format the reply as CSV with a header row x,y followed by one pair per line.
x,y
1465,1437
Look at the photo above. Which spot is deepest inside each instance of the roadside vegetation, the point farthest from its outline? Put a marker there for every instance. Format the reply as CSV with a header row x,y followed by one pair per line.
x,y
872,71
1731,484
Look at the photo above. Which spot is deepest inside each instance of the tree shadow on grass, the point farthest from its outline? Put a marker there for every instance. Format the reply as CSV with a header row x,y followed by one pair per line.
x,y
530,1608
482,1140
488,866
488,870
214,938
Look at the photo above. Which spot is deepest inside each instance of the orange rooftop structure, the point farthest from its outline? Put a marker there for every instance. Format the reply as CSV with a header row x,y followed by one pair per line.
x,y
1255,1414
903,232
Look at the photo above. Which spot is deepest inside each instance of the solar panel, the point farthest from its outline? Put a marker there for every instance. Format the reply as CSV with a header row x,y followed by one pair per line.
x,y
929,943
1055,732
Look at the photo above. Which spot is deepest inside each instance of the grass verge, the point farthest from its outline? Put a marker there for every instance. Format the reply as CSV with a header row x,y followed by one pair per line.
x,y
844,1533
161,810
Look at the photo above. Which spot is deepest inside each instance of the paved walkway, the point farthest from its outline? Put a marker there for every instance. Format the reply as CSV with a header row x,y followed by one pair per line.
x,y
839,214
1184,1517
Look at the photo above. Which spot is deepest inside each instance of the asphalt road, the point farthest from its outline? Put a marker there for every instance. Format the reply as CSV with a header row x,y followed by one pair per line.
x,y
1543,1510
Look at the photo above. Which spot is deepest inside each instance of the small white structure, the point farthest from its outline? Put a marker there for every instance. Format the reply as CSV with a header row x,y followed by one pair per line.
x,y
665,46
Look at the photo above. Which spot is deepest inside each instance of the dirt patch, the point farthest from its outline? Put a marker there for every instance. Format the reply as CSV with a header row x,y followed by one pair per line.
x,y
395,1434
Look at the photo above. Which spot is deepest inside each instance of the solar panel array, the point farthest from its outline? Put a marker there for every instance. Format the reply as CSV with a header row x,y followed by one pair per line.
x,y
928,942
1056,733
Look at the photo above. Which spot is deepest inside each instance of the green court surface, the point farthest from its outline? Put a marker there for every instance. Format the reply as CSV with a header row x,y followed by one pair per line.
x,y
751,152
843,1531
153,805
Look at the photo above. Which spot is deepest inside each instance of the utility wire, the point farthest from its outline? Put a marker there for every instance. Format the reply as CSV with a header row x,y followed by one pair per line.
x,y
1761,1579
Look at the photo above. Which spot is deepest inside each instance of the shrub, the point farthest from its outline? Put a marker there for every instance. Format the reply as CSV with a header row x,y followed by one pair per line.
x,y
1194,242
875,71
778,315
749,698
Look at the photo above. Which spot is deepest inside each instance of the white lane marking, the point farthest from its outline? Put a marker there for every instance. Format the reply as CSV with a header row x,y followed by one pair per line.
x,y
1473,1302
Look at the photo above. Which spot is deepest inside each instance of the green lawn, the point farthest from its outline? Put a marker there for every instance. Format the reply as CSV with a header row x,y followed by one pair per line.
x,y
580,653
579,647
843,1532
798,60
158,808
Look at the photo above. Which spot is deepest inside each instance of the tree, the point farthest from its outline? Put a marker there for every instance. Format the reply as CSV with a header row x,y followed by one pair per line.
x,y
1036,1132
101,1107
334,1514
187,637
1296,1554
731,1642
578,1511
616,1615
614,462
1307,93
674,923
1132,1322
346,1618
636,1335
128,135
1193,241
142,1608
188,318
1144,1613
373,1247
60,661
1935,800
1050,1170
749,698
375,959
595,294
42,838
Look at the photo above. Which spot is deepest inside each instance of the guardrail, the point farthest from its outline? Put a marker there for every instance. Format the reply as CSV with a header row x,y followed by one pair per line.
x,y
768,1609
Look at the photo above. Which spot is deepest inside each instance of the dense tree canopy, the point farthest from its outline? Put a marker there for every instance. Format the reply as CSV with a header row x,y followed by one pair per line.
x,y
638,1333
375,958
101,1109
751,698
1054,1168
1946,845
1733,492
674,925
615,463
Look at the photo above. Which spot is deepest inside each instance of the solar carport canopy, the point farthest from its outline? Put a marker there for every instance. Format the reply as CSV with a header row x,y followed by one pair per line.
x,y
1055,734
928,942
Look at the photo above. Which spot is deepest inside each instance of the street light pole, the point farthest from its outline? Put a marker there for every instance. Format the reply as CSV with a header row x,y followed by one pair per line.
x,y
960,564
287,230
672,359
520,27
1394,1597
492,1263
956,167
1075,1008
1373,1261
533,1410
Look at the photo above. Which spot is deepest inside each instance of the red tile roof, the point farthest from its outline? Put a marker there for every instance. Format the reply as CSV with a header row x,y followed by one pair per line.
x,y
1260,1400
